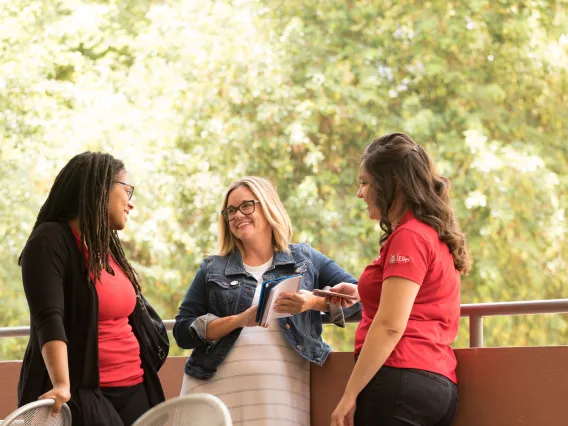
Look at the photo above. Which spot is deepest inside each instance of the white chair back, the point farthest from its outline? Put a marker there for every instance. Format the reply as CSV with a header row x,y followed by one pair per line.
x,y
38,413
188,410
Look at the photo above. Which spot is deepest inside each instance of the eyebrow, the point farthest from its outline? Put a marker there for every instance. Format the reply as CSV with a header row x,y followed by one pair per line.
x,y
230,205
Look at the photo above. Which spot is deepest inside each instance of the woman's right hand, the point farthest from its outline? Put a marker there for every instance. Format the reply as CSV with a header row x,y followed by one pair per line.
x,y
348,289
61,394
248,318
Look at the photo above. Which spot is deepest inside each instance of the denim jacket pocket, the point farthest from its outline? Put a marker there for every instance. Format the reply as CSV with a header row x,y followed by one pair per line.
x,y
224,294
303,269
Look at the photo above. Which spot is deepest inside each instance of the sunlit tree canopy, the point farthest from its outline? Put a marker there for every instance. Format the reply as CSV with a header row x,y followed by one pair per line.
x,y
193,94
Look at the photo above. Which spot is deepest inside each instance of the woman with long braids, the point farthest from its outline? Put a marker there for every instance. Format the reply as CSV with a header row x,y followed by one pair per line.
x,y
81,290
405,373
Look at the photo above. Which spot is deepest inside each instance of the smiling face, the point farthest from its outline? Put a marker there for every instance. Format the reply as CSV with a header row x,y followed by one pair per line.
x,y
250,228
367,193
119,205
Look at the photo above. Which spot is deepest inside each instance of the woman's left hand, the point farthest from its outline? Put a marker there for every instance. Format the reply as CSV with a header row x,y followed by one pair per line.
x,y
344,413
295,303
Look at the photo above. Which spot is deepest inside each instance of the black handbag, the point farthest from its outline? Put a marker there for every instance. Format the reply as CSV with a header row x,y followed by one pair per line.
x,y
151,333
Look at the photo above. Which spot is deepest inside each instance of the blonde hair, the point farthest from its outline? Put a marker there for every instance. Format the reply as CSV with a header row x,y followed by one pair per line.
x,y
273,210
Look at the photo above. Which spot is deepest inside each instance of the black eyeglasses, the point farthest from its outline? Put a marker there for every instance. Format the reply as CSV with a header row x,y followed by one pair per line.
x,y
129,188
246,208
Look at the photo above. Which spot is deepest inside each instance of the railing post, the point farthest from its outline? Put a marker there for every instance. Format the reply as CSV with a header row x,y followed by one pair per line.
x,y
475,331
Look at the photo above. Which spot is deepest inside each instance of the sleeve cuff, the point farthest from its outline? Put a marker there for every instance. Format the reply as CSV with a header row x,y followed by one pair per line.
x,y
49,327
336,316
198,327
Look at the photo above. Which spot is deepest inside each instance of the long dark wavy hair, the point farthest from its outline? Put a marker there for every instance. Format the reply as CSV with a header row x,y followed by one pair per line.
x,y
81,189
395,160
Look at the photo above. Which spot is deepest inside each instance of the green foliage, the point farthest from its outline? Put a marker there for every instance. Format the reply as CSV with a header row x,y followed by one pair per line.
x,y
194,94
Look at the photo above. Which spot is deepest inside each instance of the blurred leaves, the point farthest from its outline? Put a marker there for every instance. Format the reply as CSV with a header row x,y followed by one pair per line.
x,y
192,95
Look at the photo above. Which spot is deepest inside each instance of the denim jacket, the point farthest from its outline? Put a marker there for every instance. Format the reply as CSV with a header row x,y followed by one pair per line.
x,y
223,287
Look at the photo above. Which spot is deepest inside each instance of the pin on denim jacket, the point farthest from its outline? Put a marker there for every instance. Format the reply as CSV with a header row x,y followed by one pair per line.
x,y
223,287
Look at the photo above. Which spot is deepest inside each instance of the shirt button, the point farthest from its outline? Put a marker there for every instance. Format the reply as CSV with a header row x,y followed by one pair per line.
x,y
287,326
299,347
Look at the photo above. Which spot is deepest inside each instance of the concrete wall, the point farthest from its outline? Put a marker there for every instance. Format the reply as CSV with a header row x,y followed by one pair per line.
x,y
498,386
170,375
9,374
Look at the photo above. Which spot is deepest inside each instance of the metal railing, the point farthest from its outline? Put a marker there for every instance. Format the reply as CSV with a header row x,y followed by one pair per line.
x,y
476,312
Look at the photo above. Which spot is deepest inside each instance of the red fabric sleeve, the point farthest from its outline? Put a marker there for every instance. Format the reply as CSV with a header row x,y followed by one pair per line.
x,y
408,255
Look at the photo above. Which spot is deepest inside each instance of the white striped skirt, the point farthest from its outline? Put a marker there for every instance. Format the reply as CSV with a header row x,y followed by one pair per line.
x,y
263,380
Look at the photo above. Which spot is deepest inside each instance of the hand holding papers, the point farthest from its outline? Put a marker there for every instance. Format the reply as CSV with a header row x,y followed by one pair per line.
x,y
269,293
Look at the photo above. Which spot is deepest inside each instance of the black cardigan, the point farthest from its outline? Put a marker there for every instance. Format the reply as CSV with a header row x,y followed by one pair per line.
x,y
63,306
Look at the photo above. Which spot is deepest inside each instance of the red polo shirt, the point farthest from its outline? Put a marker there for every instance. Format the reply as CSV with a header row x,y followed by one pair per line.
x,y
414,251
119,351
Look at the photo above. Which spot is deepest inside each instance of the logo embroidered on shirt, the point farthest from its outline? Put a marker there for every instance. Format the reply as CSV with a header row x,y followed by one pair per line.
x,y
399,258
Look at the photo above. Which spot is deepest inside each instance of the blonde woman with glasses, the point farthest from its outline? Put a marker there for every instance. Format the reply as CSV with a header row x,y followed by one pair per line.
x,y
262,374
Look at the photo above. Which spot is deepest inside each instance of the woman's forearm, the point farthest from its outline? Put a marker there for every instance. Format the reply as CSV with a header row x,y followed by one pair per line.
x,y
55,358
220,327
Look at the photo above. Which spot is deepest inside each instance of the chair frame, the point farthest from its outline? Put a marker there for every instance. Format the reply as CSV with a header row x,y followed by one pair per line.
x,y
179,401
65,411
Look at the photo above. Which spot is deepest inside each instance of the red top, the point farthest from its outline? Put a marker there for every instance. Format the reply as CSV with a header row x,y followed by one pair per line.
x,y
119,351
414,251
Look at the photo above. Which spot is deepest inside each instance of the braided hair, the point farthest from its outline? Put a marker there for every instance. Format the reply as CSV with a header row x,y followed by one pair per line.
x,y
81,190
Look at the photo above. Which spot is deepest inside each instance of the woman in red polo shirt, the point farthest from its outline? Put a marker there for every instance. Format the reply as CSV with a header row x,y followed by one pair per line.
x,y
405,370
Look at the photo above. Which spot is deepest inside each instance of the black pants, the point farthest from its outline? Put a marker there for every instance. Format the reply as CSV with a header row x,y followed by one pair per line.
x,y
404,397
130,402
